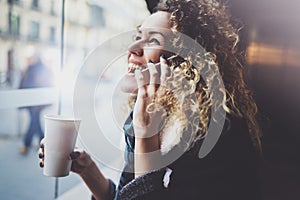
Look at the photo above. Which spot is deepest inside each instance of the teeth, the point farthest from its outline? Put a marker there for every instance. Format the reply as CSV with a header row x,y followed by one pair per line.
x,y
132,67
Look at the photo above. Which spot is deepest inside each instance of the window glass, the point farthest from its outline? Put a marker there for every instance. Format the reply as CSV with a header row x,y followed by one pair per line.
x,y
34,30
35,3
35,65
15,24
52,36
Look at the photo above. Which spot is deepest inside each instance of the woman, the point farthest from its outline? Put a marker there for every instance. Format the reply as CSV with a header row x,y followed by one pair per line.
x,y
173,106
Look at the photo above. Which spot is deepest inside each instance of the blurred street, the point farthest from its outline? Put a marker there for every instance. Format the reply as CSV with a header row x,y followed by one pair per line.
x,y
22,178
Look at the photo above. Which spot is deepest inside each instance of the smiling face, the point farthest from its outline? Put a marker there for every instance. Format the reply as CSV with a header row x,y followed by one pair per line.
x,y
149,45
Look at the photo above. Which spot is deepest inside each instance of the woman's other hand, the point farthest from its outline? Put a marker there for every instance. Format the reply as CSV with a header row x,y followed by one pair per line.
x,y
80,159
86,168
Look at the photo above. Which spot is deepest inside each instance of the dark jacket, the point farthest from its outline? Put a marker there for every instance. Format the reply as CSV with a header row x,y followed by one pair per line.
x,y
228,172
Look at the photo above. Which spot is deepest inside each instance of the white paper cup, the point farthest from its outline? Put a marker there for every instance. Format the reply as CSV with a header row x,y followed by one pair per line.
x,y
60,138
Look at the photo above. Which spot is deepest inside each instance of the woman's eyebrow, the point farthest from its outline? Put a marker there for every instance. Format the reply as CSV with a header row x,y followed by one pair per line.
x,y
156,32
138,28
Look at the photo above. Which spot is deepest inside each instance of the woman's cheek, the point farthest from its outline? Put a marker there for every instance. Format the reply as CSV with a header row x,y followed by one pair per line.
x,y
152,55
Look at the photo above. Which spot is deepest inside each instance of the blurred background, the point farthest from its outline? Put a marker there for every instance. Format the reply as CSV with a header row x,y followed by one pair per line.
x,y
31,36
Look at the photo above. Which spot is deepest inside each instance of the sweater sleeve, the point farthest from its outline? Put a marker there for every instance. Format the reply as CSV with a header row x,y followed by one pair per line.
x,y
112,190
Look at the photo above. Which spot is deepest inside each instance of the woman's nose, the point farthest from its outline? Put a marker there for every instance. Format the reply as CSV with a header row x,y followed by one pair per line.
x,y
136,48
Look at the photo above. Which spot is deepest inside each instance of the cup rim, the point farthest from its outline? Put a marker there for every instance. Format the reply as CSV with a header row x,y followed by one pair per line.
x,y
62,118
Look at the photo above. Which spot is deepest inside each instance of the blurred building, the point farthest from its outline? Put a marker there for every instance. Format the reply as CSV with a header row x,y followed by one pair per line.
x,y
23,25
27,24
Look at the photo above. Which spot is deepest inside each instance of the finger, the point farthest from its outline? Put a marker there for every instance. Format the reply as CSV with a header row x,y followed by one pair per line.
x,y
41,158
81,160
42,143
41,152
141,84
153,80
41,164
74,155
141,101
41,155
165,70
165,74
79,154
85,157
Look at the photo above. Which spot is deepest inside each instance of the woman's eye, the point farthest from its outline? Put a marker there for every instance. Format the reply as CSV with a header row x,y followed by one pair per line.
x,y
154,41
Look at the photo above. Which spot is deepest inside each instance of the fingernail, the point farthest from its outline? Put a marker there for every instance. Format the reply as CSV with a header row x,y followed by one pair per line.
x,y
41,164
42,145
41,155
163,56
74,155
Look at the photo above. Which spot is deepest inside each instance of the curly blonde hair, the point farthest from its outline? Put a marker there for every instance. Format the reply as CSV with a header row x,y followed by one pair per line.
x,y
190,97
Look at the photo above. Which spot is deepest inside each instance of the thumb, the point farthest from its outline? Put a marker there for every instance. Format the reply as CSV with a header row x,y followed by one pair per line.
x,y
74,155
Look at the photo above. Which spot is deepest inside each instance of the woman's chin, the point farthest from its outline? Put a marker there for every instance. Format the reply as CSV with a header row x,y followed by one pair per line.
x,y
128,84
128,90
